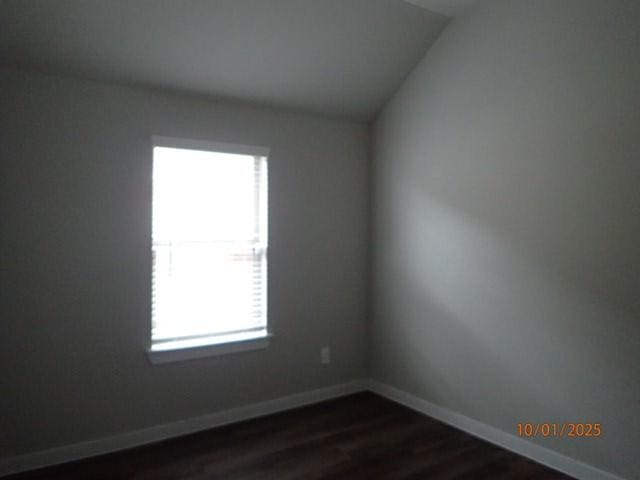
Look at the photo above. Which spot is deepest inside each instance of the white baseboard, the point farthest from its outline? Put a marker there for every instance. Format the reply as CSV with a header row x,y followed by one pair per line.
x,y
521,446
157,433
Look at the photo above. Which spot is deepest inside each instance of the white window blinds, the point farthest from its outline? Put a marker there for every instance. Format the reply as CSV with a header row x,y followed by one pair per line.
x,y
209,246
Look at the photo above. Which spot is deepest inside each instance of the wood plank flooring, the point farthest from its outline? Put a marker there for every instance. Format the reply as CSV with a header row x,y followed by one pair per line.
x,y
359,437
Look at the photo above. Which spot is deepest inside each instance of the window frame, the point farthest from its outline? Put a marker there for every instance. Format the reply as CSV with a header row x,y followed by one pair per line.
x,y
221,344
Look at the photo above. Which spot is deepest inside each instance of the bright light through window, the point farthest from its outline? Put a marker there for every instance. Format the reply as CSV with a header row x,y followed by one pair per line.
x,y
209,247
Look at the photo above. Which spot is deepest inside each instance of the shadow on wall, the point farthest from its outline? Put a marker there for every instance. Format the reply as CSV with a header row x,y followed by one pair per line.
x,y
481,327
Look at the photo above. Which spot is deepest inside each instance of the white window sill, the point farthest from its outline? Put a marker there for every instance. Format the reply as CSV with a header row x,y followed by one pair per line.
x,y
180,350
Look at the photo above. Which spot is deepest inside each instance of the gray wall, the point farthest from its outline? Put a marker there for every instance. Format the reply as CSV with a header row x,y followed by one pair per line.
x,y
507,223
75,277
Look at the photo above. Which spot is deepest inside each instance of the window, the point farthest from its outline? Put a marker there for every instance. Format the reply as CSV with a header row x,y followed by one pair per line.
x,y
209,249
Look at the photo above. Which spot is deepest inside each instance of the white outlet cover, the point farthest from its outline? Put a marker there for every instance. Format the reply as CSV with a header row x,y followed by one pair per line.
x,y
325,355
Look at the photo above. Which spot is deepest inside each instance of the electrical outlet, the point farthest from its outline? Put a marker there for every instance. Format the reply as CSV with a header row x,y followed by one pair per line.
x,y
325,355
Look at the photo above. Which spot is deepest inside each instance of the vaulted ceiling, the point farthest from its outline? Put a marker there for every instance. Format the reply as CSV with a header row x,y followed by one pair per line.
x,y
335,57
451,8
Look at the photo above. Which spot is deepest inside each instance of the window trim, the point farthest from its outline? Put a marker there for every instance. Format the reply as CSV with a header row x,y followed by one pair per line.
x,y
206,145
212,345
224,346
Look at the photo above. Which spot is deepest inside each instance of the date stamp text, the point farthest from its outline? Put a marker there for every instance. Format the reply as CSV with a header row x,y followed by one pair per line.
x,y
561,430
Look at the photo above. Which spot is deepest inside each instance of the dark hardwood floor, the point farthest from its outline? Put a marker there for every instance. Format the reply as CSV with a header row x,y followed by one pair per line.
x,y
362,436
